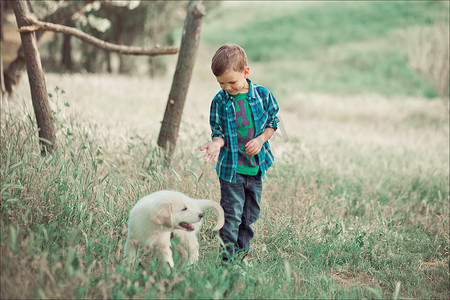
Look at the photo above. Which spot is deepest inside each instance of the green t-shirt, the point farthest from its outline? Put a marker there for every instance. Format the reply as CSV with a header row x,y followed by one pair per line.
x,y
247,164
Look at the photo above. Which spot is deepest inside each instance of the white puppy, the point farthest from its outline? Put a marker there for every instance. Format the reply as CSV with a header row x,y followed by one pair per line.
x,y
155,217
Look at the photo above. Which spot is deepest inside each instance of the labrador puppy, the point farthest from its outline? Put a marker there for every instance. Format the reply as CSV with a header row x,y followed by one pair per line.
x,y
158,216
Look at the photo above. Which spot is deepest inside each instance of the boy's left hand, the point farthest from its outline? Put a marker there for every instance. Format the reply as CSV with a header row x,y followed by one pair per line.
x,y
254,146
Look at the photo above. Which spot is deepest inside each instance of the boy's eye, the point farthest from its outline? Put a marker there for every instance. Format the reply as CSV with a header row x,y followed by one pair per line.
x,y
184,209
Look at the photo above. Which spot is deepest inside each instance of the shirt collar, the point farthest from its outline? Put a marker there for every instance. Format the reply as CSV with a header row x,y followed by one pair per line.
x,y
251,94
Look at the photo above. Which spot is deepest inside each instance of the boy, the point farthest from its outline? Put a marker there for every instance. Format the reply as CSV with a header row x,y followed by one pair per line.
x,y
242,118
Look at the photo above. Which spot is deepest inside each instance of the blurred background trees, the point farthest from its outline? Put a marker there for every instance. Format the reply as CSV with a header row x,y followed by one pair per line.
x,y
138,23
128,22
389,48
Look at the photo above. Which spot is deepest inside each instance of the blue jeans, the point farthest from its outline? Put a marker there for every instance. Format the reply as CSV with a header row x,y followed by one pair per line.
x,y
240,201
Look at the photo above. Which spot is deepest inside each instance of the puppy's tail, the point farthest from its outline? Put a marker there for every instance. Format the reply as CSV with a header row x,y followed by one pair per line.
x,y
205,204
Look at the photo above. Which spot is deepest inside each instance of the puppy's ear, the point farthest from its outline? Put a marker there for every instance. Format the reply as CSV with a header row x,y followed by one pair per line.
x,y
163,215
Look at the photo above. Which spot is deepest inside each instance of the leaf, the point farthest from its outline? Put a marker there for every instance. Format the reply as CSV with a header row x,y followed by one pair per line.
x,y
100,24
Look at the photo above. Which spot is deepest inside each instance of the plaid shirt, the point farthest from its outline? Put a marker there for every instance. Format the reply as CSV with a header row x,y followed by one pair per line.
x,y
222,121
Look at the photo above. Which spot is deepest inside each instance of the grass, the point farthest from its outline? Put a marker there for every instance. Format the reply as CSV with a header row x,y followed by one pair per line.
x,y
355,206
339,47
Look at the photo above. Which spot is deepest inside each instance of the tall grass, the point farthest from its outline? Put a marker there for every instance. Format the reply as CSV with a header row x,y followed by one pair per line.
x,y
356,205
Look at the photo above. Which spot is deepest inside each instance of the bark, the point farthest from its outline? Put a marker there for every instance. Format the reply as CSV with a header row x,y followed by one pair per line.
x,y
15,69
2,19
39,25
108,62
37,81
66,57
2,80
186,59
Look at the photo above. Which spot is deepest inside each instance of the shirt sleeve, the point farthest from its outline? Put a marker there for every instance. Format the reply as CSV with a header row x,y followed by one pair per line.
x,y
272,108
217,129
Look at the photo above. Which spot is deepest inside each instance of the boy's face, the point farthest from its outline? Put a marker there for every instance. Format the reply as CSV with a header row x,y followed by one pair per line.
x,y
234,82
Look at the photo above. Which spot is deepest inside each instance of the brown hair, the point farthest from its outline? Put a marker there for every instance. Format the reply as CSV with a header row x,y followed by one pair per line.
x,y
228,56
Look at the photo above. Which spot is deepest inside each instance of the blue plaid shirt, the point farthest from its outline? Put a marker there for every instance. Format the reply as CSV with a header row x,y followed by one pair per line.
x,y
222,120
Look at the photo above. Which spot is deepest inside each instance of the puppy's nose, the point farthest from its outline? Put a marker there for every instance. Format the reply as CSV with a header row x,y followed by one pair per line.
x,y
200,216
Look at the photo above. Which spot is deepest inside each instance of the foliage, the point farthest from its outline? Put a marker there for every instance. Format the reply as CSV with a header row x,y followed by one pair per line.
x,y
145,23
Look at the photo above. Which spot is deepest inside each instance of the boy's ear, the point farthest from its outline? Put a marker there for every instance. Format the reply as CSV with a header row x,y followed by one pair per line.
x,y
246,72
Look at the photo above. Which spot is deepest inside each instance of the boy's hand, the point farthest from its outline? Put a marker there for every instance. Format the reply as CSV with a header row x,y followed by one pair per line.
x,y
212,150
254,146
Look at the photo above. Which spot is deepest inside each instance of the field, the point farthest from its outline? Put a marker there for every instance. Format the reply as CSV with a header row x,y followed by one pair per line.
x,y
355,206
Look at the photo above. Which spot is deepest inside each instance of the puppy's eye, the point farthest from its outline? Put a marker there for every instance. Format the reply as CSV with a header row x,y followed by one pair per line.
x,y
184,209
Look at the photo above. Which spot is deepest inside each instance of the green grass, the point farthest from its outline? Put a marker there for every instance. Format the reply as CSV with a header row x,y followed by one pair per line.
x,y
334,47
355,207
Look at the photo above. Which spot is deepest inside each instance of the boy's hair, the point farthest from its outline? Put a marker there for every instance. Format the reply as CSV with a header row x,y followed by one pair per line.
x,y
226,57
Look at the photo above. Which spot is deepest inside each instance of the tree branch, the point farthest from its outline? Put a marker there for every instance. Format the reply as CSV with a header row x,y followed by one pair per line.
x,y
39,25
15,69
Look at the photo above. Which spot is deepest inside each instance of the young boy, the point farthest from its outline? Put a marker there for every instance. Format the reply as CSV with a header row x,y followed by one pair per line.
x,y
243,119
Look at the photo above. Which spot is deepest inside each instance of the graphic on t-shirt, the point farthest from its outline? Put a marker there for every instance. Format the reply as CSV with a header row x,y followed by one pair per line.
x,y
245,132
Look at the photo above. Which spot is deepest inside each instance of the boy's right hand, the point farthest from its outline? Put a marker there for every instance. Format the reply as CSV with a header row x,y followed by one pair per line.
x,y
212,150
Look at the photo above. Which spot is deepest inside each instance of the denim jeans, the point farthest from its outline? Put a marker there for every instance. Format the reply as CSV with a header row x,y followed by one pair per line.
x,y
240,201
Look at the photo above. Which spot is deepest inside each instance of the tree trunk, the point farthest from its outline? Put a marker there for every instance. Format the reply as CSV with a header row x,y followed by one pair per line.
x,y
37,81
2,18
66,58
2,80
108,62
15,69
189,43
